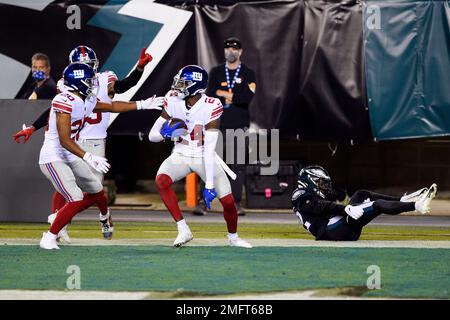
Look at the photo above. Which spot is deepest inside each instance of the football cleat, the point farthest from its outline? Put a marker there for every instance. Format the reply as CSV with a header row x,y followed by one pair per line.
x,y
423,204
184,236
413,197
107,226
48,241
63,234
238,242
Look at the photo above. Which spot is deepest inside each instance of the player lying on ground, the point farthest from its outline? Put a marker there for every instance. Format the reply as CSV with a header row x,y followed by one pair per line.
x,y
61,158
194,150
93,136
315,206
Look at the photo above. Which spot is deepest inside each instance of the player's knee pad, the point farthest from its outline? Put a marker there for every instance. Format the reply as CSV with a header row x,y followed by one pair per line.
x,y
163,181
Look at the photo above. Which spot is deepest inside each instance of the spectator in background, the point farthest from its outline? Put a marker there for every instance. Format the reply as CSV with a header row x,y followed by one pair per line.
x,y
43,87
234,84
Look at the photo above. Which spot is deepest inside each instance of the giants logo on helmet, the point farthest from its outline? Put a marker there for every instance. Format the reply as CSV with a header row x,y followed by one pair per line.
x,y
197,76
78,74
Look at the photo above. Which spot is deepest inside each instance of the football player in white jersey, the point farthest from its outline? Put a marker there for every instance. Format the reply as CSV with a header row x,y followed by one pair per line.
x,y
93,136
61,158
194,150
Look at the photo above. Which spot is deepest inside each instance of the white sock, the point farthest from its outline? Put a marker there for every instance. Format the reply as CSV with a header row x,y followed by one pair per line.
x,y
51,235
417,205
104,216
232,236
182,225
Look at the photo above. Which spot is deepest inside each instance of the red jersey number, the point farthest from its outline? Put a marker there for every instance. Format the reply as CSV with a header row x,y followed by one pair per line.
x,y
197,134
97,119
76,127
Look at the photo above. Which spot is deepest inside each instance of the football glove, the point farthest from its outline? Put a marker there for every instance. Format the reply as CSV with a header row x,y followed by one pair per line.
x,y
355,212
152,103
98,163
171,132
209,195
144,59
26,133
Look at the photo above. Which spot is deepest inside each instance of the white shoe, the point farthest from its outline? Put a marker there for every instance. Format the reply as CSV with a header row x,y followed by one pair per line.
x,y
48,241
51,218
184,236
413,197
63,234
107,226
423,204
238,242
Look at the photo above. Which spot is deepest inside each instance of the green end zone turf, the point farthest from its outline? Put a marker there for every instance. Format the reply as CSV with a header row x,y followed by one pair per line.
x,y
405,272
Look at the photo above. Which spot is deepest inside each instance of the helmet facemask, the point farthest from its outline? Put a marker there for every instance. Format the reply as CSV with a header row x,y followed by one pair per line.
x,y
323,186
92,87
93,64
317,180
181,86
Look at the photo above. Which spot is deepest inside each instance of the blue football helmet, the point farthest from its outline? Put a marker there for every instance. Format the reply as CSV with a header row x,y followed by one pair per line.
x,y
315,179
84,54
80,77
189,81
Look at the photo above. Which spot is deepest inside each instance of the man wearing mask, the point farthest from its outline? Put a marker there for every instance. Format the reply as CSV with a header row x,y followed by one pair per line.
x,y
235,85
43,87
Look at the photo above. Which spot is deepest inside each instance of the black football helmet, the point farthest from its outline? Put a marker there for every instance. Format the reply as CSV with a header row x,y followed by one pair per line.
x,y
315,179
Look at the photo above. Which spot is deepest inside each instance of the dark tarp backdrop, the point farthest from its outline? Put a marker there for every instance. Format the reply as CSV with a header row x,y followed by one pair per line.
x,y
408,68
291,45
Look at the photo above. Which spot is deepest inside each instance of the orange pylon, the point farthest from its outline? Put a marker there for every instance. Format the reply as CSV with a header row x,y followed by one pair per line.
x,y
191,190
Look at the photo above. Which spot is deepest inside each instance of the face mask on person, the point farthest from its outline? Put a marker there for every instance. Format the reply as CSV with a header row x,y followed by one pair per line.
x,y
38,75
231,56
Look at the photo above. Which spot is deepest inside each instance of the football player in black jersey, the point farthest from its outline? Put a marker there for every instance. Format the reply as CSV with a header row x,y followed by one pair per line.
x,y
314,203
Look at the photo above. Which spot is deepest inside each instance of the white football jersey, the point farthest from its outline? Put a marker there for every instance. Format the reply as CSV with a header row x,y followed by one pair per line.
x,y
205,110
97,123
65,102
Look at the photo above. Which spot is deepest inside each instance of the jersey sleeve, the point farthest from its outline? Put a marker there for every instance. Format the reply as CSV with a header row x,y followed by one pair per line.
x,y
318,207
167,103
216,110
61,104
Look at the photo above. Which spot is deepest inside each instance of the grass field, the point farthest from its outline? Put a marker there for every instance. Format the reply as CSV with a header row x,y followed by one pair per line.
x,y
212,268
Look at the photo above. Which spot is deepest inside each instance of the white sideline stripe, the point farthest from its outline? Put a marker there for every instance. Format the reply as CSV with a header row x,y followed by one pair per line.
x,y
139,295
255,242
70,295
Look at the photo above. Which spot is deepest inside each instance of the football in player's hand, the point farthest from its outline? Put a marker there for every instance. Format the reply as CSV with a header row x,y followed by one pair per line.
x,y
174,121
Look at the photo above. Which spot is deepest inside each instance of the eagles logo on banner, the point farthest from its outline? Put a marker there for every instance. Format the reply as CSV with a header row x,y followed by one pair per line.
x,y
117,30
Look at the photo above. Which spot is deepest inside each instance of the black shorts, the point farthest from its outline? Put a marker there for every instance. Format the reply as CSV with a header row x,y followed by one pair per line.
x,y
341,231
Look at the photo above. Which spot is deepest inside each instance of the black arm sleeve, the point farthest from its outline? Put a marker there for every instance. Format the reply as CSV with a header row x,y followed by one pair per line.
x,y
120,86
320,207
337,194
42,120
